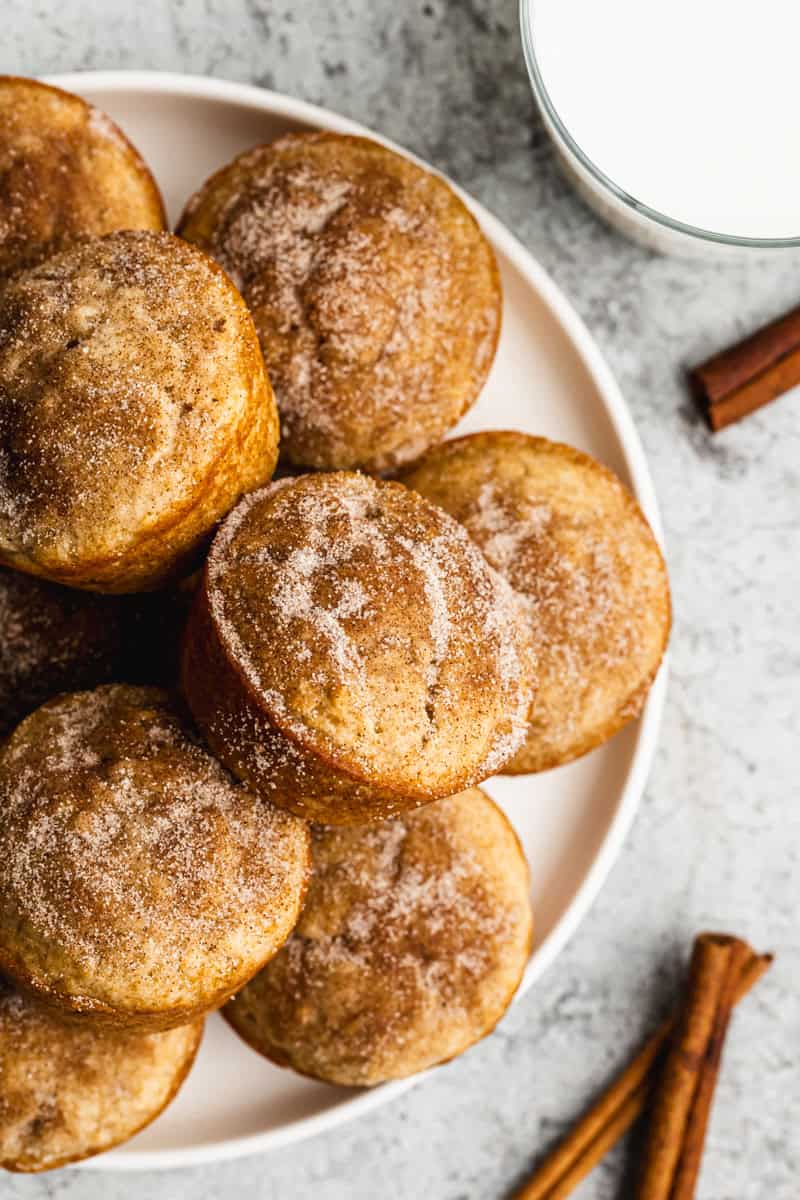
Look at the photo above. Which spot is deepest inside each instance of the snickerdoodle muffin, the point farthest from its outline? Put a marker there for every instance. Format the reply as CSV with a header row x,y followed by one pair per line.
x,y
66,172
411,944
71,1090
574,544
350,654
138,882
375,295
134,411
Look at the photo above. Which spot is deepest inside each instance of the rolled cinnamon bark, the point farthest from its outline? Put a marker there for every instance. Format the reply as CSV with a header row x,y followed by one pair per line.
x,y
624,1101
691,1155
714,971
744,377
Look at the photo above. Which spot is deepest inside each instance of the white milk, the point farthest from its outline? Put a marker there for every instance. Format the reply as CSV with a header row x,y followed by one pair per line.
x,y
692,107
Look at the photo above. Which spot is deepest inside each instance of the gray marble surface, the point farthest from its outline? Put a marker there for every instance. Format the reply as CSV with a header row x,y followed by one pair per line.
x,y
717,840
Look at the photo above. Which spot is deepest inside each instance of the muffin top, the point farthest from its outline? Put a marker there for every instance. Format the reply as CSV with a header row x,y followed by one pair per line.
x,y
412,941
573,543
136,877
128,365
68,172
401,657
375,295
71,1090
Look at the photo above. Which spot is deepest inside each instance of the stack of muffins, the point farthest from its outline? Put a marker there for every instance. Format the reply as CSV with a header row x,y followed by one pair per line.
x,y
283,817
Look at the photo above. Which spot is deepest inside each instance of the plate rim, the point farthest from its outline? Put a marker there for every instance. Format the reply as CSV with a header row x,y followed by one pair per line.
x,y
254,97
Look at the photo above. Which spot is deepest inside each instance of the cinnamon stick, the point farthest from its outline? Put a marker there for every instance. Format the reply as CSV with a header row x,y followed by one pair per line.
x,y
688,1167
618,1108
750,374
716,964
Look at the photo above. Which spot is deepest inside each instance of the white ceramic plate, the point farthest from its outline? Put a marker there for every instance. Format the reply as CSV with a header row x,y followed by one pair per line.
x,y
548,378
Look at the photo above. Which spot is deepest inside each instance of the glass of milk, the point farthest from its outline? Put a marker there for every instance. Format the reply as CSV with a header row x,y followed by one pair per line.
x,y
679,122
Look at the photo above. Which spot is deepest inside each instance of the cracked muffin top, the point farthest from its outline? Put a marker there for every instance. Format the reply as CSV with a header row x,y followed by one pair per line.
x,y
371,631
68,172
134,411
375,295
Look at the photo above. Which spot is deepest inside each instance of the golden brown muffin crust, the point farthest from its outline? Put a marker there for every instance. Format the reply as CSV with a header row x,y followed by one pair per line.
x,y
365,656
574,544
411,944
375,294
67,172
134,411
138,881
71,1090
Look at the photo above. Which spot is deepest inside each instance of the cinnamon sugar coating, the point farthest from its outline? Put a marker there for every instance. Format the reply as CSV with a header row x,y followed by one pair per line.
x,y
375,295
411,944
574,544
134,411
365,658
138,881
71,1090
67,172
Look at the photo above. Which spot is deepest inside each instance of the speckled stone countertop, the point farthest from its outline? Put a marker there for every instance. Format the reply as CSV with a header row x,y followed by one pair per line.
x,y
717,839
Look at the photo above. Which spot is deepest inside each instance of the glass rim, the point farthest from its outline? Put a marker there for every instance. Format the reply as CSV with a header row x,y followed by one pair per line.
x,y
638,207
